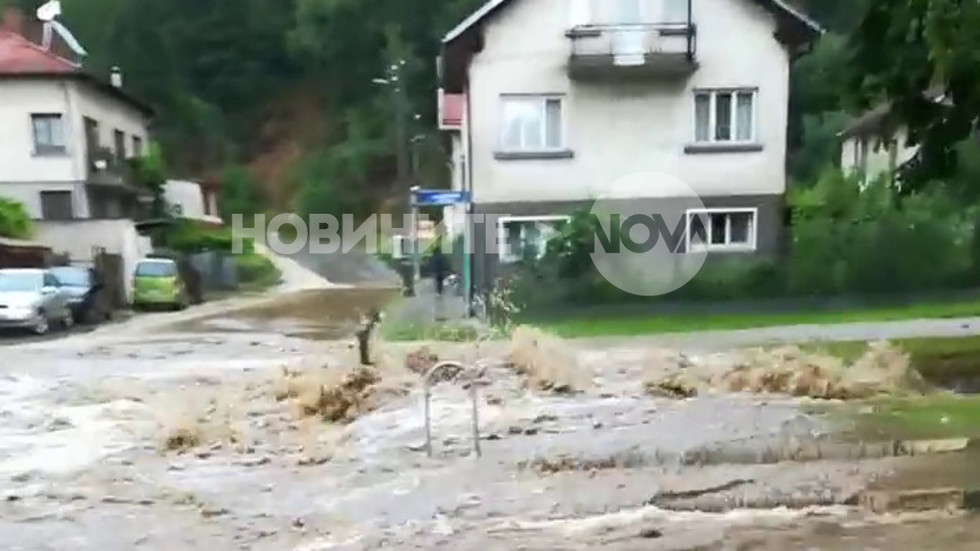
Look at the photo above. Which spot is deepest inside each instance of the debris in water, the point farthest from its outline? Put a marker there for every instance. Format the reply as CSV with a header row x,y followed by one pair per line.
x,y
676,385
421,361
651,533
547,361
184,436
335,395
883,369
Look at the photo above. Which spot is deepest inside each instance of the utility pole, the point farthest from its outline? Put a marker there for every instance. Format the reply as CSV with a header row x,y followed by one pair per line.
x,y
400,97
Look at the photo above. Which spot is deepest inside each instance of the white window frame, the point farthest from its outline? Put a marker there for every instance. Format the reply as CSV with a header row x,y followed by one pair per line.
x,y
505,256
751,246
712,94
543,100
48,149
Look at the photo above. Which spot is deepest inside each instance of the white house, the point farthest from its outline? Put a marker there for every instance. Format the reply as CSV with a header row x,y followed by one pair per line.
x,y
872,144
64,132
550,101
192,201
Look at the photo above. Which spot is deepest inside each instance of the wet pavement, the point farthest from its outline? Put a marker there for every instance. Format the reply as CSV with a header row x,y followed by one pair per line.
x,y
85,421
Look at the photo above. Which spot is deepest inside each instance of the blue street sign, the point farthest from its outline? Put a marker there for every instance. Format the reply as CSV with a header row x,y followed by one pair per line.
x,y
439,198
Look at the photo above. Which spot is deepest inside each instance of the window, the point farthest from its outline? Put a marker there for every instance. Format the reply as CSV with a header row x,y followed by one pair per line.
x,y
119,141
92,141
49,134
675,11
56,205
724,116
156,268
532,123
137,146
526,237
721,229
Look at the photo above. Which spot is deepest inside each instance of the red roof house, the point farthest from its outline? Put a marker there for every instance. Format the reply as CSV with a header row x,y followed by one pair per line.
x,y
20,56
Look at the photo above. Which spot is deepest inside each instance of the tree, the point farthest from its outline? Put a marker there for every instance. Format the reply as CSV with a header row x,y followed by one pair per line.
x,y
150,172
14,221
904,48
239,193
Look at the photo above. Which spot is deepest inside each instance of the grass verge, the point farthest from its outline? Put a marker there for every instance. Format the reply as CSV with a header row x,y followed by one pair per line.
x,y
431,332
595,326
935,416
952,362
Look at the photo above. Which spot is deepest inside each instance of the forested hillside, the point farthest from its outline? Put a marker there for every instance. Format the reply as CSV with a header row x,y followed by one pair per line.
x,y
278,94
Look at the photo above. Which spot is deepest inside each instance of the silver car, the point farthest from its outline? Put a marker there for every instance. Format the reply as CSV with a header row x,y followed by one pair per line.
x,y
32,299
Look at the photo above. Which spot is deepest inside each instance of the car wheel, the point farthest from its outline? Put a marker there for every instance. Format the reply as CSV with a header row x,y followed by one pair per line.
x,y
42,326
68,320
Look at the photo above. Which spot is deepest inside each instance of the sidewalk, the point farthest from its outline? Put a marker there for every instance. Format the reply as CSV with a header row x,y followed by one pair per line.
x,y
426,307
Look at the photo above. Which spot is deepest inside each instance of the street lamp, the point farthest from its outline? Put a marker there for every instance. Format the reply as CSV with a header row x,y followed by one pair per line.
x,y
399,99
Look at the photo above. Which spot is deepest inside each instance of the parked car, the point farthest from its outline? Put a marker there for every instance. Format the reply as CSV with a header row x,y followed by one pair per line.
x,y
32,299
83,288
157,282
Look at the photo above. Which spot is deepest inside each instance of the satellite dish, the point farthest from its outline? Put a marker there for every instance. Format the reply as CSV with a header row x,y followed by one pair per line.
x,y
69,38
49,11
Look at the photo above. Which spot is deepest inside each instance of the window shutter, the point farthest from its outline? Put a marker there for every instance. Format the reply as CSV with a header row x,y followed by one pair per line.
x,y
579,12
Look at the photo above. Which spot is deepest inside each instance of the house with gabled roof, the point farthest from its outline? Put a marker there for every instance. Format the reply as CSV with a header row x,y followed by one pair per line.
x,y
65,133
548,102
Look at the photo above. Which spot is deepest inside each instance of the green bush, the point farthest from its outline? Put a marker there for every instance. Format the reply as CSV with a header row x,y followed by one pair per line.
x,y
256,271
874,241
187,237
849,238
14,221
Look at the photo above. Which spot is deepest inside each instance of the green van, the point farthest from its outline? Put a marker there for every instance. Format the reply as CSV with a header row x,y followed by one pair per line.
x,y
157,282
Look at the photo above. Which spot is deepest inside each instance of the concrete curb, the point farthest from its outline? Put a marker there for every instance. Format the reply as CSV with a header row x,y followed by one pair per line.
x,y
911,501
820,451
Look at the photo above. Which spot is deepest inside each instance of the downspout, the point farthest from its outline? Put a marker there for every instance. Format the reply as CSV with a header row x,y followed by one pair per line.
x,y
470,258
78,149
690,31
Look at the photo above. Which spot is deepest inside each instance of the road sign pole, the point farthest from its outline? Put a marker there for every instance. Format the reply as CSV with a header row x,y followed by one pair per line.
x,y
467,256
415,237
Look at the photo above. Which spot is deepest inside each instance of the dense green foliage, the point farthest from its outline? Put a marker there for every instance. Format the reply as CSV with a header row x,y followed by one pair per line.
x,y
221,73
187,236
239,193
255,272
848,240
904,48
14,221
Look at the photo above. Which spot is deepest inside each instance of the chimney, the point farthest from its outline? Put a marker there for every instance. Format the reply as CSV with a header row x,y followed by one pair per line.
x,y
12,20
116,76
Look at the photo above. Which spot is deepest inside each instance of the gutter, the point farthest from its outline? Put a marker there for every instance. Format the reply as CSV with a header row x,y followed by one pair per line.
x,y
470,258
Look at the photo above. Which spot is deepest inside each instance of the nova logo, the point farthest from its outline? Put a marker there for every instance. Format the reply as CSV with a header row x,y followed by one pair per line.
x,y
641,232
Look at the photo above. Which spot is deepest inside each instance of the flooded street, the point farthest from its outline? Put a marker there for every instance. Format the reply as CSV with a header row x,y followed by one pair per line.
x,y
197,432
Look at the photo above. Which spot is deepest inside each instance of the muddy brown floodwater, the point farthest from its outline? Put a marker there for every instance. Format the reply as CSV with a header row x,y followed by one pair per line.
x,y
317,314
204,434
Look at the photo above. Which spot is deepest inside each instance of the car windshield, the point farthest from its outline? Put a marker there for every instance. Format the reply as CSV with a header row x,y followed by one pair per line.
x,y
21,281
74,277
156,269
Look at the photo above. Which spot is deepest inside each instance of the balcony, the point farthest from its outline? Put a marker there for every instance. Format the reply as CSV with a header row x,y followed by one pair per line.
x,y
633,51
112,187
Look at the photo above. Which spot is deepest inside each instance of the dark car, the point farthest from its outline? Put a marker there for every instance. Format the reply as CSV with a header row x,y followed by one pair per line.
x,y
83,288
